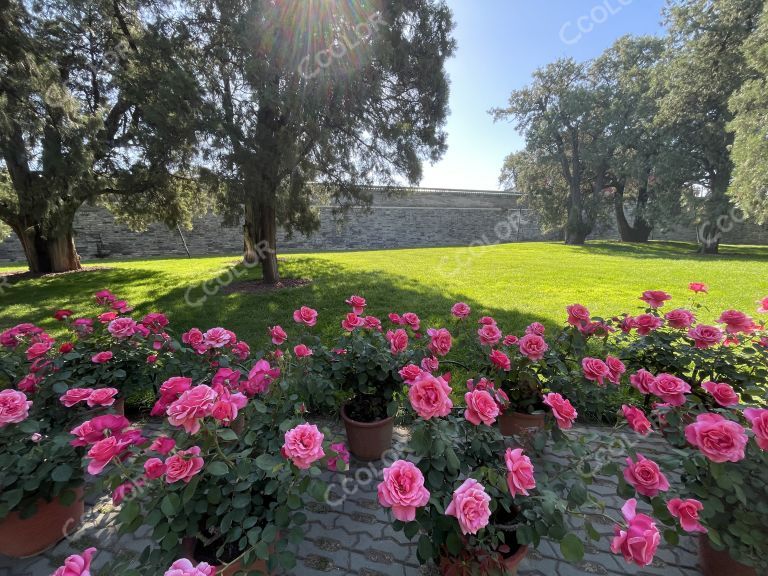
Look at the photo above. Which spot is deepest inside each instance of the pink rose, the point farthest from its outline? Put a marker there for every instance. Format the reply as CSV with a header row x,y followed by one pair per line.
x,y
616,369
372,323
440,343
102,452
763,308
562,410
430,364
77,564
638,543
398,340
412,320
642,380
646,476
687,511
184,567
123,490
510,340
680,318
533,346
302,351
122,328
471,506
647,323
352,321
655,298
395,318
759,419
481,407
260,377
226,408
485,320
183,465
75,395
38,349
175,387
578,315
722,393
305,315
303,445
358,304
627,324
410,372
736,322
342,454
191,407
154,468
162,445
705,336
102,397
241,350
155,321
670,389
489,334
62,314
278,335
107,317
719,439
501,360
227,377
430,396
194,337
66,348
93,430
217,338
520,477
536,328
636,419
403,490
102,357
121,306
460,310
595,370
698,287
29,383
14,407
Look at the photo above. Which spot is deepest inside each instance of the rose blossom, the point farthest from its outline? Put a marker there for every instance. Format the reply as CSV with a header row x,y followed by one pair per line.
x,y
102,357
93,430
342,455
501,360
705,336
533,346
75,395
687,511
440,343
303,445
77,564
226,377
670,389
460,310
260,377
636,419
302,351
352,321
398,340
485,320
184,567
430,396
62,314
763,308
719,439
192,406
698,287
162,445
647,323
102,452
175,386
510,340
595,370
412,320
562,410
14,407
358,304
481,407
403,490
578,315
655,298
154,468
616,369
278,335
489,334
759,419
183,465
102,397
638,543
225,409
38,349
646,476
470,504
410,372
536,328
372,323
123,490
736,322
107,317
722,393
430,364
29,383
520,477
305,315
194,337
217,338
395,318
122,328
680,318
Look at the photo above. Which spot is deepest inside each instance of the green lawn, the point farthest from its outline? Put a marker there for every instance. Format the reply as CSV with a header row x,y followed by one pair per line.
x,y
516,283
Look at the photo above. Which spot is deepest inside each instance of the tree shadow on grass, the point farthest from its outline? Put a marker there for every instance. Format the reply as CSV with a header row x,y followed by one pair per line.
x,y
668,250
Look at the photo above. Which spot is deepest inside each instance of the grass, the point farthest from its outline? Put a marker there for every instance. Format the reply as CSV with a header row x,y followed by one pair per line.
x,y
515,283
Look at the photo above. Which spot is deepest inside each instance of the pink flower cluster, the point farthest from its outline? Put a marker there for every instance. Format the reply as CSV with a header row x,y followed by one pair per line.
x,y
598,370
92,397
430,396
109,436
215,341
14,407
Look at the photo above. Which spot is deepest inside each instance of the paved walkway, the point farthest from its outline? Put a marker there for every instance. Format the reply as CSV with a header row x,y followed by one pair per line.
x,y
352,534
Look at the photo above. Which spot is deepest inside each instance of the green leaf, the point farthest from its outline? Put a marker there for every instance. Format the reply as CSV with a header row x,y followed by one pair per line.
x,y
267,462
453,543
170,504
217,468
227,434
424,549
572,548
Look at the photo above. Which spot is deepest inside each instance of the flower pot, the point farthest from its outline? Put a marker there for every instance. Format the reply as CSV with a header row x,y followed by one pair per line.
x,y
719,562
189,546
450,566
53,521
368,440
514,423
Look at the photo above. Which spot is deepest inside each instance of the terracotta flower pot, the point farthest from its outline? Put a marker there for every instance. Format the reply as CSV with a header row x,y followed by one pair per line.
x,y
53,521
449,567
719,562
368,440
514,423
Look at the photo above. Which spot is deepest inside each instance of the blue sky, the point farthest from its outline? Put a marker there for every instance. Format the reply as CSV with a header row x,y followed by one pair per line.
x,y
500,43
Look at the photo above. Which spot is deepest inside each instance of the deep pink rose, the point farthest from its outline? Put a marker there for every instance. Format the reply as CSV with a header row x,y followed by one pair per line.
x,y
278,335
398,340
83,326
154,468
358,304
680,318
155,321
687,511
241,350
481,407
638,543
642,380
194,337
510,340
410,372
107,317
655,298
627,324
578,315
636,419
260,377
102,357
175,387
412,320
501,360
520,472
698,287
535,328
162,445
595,370
722,393
533,347
302,351
485,320
14,407
430,396
183,465
460,310
303,445
736,322
121,306
342,454
471,506
184,567
77,564
93,430
226,408
102,452
395,318
403,490
305,315
29,383
372,323
122,328
191,407
217,338
227,377
352,321
670,389
758,417
763,308
616,369
102,397
562,410
430,364
75,395
123,490
440,343
647,323
719,439
489,334
646,476
38,349
705,336
62,314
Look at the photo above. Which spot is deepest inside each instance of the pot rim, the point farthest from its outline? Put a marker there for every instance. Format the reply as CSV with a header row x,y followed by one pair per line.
x,y
375,424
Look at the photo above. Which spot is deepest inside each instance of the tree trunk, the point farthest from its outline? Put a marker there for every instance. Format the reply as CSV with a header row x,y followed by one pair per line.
x,y
48,253
260,239
641,230
575,229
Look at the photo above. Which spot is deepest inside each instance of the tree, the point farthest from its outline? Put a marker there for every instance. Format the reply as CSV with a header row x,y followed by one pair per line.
x,y
749,106
95,105
326,96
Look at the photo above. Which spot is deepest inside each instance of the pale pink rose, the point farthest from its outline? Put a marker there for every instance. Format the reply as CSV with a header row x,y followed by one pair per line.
x,y
305,315
680,318
440,343
670,389
303,445
655,298
29,383
154,468
736,322
489,334
533,347
687,511
162,445
636,419
412,320
183,465
372,323
485,320
758,417
595,370
520,472
501,360
75,395
36,437
77,564
481,407
562,410
763,308
260,377
102,357
342,455
410,372
403,490
430,364
536,328
191,407
358,304
460,310
352,321
302,351
122,328
102,397
719,439
722,393
218,338
698,287
38,349
705,336
398,340
430,396
616,369
647,323
646,476
94,430
14,407
639,542
510,340
184,567
578,315
470,504
278,335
